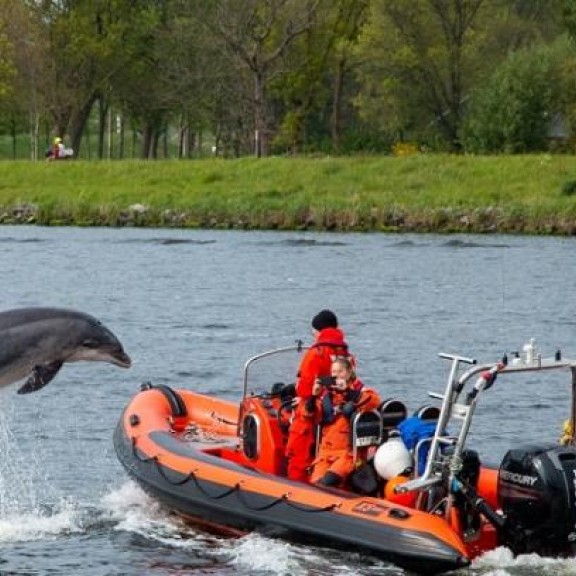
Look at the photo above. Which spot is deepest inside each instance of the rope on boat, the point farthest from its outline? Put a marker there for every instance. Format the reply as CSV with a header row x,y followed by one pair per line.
x,y
169,480
226,492
237,489
141,458
328,508
243,501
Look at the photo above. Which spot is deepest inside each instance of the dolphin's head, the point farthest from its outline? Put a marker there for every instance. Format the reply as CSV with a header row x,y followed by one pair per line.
x,y
37,341
98,344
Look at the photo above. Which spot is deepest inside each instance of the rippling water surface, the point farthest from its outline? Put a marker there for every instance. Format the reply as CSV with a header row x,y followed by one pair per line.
x,y
192,306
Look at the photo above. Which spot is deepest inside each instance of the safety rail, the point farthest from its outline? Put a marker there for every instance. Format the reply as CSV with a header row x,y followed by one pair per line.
x,y
458,408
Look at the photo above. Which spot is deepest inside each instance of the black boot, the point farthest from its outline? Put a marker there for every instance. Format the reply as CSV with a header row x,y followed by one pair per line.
x,y
330,479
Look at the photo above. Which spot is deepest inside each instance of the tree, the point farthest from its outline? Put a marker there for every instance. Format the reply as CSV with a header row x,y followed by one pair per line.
x,y
257,34
24,65
7,67
516,107
312,89
420,57
511,112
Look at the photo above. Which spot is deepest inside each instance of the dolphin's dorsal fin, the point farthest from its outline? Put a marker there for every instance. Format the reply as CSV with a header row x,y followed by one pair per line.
x,y
41,375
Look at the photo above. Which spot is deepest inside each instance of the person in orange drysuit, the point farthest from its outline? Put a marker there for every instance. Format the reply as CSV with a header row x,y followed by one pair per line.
x,y
332,408
328,343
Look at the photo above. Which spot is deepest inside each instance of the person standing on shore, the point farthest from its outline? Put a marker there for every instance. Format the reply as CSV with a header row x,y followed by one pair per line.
x,y
317,362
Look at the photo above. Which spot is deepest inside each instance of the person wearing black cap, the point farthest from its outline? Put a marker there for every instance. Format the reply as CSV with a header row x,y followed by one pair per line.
x,y
324,319
328,344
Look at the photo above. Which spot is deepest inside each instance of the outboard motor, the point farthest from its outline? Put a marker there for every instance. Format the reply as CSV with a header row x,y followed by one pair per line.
x,y
537,491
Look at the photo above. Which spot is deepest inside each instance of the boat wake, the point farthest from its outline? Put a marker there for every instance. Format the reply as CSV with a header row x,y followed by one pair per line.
x,y
133,511
139,514
501,562
128,510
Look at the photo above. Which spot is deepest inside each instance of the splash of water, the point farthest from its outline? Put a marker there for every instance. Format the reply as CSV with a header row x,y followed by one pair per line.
x,y
254,553
132,510
19,473
501,562
25,491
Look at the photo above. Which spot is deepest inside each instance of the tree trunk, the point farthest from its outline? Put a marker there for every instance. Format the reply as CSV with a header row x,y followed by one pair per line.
x,y
337,105
34,135
165,151
14,135
146,141
150,139
78,124
183,149
121,135
102,117
260,127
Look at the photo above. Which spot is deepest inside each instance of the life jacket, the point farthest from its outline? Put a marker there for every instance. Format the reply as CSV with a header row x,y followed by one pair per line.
x,y
336,424
332,399
317,362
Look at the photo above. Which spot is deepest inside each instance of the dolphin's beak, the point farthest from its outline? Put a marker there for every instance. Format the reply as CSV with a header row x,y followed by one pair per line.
x,y
121,359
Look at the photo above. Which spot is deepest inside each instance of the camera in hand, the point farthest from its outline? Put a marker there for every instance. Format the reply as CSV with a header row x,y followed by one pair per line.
x,y
327,381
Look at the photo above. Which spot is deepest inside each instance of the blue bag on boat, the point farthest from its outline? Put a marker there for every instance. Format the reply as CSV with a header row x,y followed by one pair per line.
x,y
414,429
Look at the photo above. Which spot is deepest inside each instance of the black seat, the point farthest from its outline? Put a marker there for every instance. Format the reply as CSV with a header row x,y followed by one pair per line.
x,y
393,412
366,430
428,412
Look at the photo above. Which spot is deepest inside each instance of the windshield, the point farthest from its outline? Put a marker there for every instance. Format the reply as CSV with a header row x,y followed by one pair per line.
x,y
271,368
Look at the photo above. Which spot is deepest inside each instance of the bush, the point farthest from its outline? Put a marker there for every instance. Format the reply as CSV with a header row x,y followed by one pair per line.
x,y
569,188
512,112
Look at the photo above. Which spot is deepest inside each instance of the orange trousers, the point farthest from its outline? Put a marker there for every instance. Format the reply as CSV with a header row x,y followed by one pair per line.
x,y
300,449
338,462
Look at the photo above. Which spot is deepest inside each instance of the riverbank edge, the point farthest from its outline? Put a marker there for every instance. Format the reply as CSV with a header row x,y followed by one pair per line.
x,y
523,194
397,220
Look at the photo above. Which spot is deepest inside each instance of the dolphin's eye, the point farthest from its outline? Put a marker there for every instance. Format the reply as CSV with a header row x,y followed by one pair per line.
x,y
90,344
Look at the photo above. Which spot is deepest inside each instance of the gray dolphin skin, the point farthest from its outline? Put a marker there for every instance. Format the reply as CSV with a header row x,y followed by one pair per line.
x,y
36,342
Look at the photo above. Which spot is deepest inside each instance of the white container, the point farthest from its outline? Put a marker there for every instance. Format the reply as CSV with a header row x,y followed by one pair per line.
x,y
530,351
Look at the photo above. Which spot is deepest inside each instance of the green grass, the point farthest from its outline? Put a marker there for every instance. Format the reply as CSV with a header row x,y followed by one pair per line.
x,y
529,194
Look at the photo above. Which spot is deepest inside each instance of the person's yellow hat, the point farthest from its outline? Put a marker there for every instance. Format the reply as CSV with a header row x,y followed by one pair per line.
x,y
57,140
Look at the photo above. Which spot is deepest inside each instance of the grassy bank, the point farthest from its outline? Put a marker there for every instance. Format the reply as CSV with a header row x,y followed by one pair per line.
x,y
529,194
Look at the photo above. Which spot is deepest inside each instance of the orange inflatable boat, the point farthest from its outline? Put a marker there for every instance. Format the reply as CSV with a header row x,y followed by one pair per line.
x,y
221,464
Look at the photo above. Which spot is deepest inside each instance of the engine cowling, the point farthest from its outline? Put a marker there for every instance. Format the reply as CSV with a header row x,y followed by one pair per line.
x,y
537,492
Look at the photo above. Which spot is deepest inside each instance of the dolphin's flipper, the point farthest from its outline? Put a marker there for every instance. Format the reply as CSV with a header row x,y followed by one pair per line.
x,y
41,375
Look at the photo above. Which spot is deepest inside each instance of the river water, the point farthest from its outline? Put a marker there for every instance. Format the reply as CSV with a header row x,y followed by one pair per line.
x,y
192,306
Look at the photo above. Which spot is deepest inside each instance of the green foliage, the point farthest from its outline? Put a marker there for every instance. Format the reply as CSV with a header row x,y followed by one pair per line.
x,y
512,112
298,76
421,58
569,188
7,69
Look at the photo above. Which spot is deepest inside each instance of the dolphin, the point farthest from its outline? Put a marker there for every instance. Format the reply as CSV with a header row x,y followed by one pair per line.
x,y
35,342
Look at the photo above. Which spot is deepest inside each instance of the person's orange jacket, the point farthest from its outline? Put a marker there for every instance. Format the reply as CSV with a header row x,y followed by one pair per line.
x,y
316,363
317,360
336,425
334,461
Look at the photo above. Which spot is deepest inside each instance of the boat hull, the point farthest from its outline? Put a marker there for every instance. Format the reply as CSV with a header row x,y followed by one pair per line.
x,y
215,482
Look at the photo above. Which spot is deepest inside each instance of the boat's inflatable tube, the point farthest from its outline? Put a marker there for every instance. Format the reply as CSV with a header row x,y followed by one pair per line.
x,y
208,475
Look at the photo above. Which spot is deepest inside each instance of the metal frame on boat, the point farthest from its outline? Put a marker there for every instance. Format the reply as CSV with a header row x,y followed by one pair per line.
x,y
453,409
